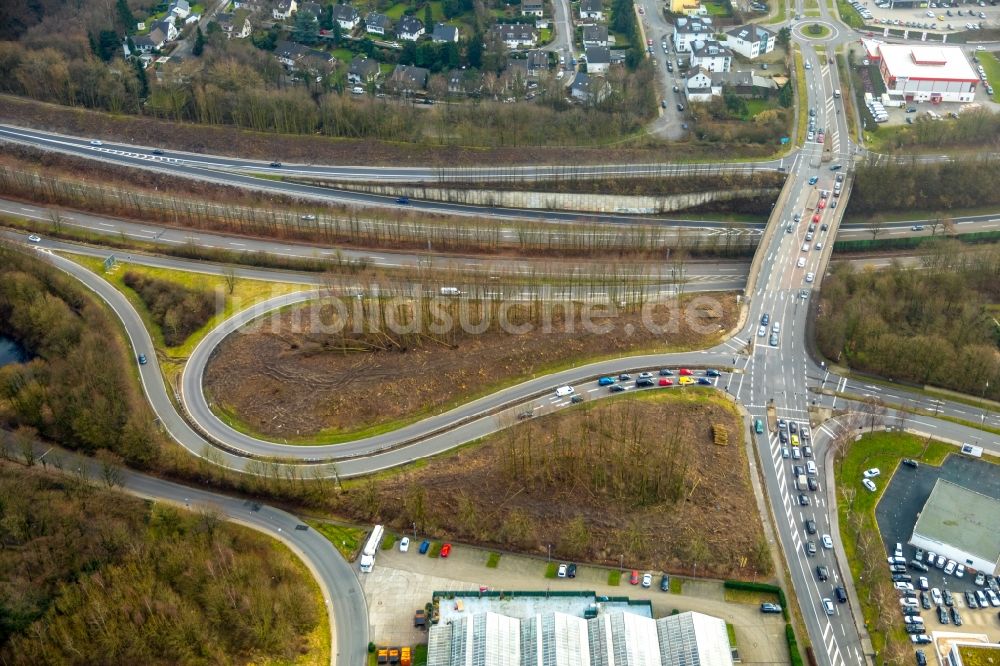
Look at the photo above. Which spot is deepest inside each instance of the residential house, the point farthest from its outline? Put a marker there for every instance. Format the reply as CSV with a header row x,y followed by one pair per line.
x,y
463,81
687,30
167,26
595,35
598,59
377,24
592,9
743,84
590,89
180,8
363,70
252,5
347,16
516,35
284,9
232,26
444,33
534,8
410,29
687,7
408,80
295,56
750,41
313,9
537,62
698,87
151,41
711,55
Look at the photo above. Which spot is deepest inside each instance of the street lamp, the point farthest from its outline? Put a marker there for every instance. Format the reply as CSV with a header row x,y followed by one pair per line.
x,y
550,552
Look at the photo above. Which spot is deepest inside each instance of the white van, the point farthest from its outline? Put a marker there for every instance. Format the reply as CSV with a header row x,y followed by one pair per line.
x,y
836,94
357,90
450,291
564,391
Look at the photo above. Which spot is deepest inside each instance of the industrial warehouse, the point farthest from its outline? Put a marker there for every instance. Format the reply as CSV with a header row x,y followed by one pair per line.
x,y
924,73
960,524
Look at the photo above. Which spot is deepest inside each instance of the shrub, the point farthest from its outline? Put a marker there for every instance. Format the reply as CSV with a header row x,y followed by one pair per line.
x,y
178,311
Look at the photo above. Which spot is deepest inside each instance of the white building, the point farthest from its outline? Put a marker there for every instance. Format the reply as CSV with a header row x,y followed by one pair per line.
x,y
927,73
960,524
711,55
688,30
698,87
592,9
284,9
750,41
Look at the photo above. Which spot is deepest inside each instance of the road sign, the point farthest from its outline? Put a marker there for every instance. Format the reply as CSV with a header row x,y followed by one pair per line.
x,y
784,140
110,263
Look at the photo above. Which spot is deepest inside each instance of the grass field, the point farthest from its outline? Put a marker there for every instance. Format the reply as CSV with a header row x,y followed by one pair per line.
x,y
493,561
346,539
800,96
614,577
850,15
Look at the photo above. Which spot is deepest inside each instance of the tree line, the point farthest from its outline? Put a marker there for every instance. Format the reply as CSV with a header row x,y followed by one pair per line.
x,y
95,576
932,324
76,389
924,186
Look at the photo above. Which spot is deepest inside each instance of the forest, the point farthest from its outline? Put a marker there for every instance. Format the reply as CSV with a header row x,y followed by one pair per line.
x,y
176,310
92,576
76,390
930,186
931,324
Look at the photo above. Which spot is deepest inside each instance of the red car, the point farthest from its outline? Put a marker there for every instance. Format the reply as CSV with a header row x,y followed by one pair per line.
x,y
635,577
816,218
822,204
666,382
446,550
684,372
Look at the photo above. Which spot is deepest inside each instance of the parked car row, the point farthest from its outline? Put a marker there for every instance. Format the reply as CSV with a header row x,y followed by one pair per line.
x,y
665,377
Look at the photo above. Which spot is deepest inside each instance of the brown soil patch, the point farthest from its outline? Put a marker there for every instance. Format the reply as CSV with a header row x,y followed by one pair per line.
x,y
310,149
637,478
287,379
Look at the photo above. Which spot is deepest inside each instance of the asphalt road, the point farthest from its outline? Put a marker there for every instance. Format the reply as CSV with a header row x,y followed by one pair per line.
x,y
346,607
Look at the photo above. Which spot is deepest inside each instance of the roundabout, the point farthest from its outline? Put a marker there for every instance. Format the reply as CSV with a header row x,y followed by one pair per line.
x,y
816,31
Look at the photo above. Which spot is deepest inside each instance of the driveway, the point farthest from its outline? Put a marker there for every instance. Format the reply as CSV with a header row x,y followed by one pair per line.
x,y
403,582
656,27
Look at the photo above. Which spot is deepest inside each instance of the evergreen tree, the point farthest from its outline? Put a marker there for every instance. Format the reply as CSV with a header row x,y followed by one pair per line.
x,y
125,16
428,18
326,18
305,29
107,45
474,53
140,75
199,43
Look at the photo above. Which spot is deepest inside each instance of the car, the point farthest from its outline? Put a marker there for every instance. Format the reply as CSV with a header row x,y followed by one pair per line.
x,y
571,571
33,238
446,550
795,453
773,340
921,658
793,427
811,526
762,331
644,381
758,426
95,142
841,594
940,562
275,165
664,583
994,599
605,381
564,391
923,583
634,578
616,388
912,619
822,573
920,639
404,544
807,451
686,381
705,381
956,619
828,606
783,436
912,109
816,218
142,359
980,579
931,557
424,547
950,566
647,579
827,541
909,462
666,372
561,571
810,277
813,180
308,217
645,375
403,201
666,381
869,484
770,608
798,469
925,601
871,473
909,602
785,452
680,107
903,586
942,614
970,600
810,547
824,226
819,246
712,372
960,571
936,596
803,500
805,247
624,377
684,372
982,599
576,399
795,440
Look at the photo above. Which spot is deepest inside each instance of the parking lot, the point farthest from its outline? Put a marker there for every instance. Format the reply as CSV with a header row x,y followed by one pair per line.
x,y
936,18
896,514
402,582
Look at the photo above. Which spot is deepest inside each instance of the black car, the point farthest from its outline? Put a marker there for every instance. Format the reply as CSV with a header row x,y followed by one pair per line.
x,y
403,201
680,107
576,399
276,165
824,226
841,594
644,381
798,469
664,583
157,151
142,359
970,600
942,615
914,628
765,319
803,500
571,571
900,578
811,526
813,483
666,372
783,436
921,658
807,451
624,377
925,601
822,574
918,565
616,388
910,462
956,619
949,599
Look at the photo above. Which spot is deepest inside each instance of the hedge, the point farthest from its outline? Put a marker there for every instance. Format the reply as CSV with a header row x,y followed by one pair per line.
x,y
760,587
793,645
